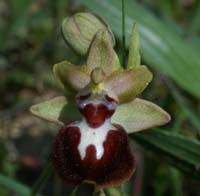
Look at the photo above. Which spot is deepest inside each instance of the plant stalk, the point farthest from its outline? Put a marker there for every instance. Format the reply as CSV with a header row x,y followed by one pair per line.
x,y
42,180
123,35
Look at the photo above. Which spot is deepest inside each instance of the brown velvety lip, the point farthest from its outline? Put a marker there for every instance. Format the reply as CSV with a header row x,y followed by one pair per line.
x,y
116,166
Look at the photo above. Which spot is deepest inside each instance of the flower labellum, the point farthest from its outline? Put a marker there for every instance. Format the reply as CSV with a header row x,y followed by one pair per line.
x,y
94,149
100,107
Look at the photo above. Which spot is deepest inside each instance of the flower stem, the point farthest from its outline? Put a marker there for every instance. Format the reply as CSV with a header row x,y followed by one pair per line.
x,y
74,191
42,180
123,35
98,192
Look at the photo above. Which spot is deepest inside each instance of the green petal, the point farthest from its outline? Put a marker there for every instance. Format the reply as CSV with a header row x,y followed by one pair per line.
x,y
71,76
139,115
134,57
57,110
101,53
126,85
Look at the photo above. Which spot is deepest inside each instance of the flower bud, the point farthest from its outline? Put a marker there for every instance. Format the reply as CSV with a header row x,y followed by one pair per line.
x,y
79,30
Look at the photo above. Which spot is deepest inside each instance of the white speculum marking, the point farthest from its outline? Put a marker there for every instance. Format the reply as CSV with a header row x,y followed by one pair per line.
x,y
93,136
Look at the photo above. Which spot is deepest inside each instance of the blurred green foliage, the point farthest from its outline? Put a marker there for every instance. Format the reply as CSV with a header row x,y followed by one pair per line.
x,y
31,42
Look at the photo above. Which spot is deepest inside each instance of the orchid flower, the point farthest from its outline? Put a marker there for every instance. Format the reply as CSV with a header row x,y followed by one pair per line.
x,y
101,106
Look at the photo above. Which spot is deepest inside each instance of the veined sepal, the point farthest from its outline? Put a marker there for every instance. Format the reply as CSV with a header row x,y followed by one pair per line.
x,y
101,54
139,115
134,116
57,110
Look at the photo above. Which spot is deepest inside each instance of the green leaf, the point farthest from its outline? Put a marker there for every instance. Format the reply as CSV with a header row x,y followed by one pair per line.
x,y
162,48
176,181
57,110
101,53
195,20
185,106
127,84
134,57
14,186
71,76
20,14
182,152
139,115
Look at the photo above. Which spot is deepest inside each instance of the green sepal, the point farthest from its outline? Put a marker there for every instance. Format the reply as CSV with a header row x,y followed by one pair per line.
x,y
57,110
134,57
127,84
72,77
79,30
101,53
117,63
139,115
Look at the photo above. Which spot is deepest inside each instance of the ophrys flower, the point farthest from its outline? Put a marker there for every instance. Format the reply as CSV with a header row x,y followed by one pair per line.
x,y
99,110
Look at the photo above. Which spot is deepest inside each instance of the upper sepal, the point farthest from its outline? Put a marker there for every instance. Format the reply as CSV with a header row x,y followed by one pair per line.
x,y
57,110
127,84
139,115
101,53
72,77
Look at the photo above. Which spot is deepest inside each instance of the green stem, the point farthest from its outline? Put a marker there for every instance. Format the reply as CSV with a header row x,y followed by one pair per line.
x,y
98,192
122,190
54,15
42,180
57,186
74,191
123,36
